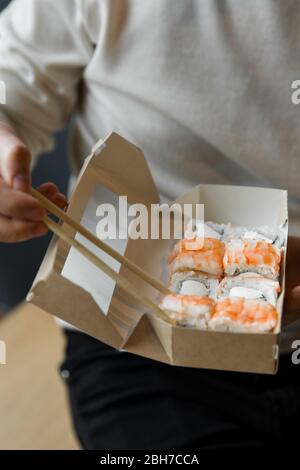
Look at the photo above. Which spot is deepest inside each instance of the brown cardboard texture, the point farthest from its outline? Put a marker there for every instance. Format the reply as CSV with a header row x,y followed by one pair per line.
x,y
70,287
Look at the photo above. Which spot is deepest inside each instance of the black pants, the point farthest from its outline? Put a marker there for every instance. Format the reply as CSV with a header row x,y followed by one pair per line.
x,y
122,401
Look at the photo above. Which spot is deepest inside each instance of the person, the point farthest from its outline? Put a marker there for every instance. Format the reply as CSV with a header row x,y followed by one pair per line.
x,y
204,88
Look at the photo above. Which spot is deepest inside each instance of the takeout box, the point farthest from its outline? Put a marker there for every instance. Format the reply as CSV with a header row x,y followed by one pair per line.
x,y
70,287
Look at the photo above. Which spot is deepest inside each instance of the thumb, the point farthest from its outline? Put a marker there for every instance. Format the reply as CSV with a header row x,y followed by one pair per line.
x,y
292,305
15,160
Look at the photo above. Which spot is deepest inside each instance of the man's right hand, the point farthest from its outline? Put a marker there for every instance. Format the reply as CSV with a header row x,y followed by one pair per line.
x,y
20,214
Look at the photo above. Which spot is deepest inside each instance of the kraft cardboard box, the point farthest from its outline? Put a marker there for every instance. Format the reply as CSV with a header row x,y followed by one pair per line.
x,y
73,289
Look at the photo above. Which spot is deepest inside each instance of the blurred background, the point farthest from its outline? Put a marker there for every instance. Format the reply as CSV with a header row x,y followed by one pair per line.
x,y
33,403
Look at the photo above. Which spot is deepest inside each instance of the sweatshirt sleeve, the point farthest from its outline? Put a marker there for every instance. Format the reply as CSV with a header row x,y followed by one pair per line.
x,y
43,52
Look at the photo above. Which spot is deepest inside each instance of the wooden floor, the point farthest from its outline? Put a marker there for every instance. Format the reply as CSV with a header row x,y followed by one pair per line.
x,y
33,405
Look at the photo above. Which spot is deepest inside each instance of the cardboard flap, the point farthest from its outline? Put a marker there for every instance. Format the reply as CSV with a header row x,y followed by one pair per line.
x,y
238,205
78,308
122,167
115,168
164,333
46,267
144,341
154,333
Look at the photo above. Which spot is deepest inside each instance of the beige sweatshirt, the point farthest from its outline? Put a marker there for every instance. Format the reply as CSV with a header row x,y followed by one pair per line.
x,y
202,86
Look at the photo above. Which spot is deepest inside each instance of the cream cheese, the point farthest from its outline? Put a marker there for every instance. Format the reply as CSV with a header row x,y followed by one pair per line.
x,y
190,287
245,292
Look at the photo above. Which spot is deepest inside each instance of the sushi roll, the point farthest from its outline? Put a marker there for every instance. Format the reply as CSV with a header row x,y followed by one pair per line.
x,y
250,286
240,315
273,235
194,283
254,256
219,229
188,310
196,244
205,255
197,228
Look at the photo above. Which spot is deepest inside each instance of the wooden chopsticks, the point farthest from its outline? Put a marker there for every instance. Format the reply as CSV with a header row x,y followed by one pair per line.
x,y
99,243
120,280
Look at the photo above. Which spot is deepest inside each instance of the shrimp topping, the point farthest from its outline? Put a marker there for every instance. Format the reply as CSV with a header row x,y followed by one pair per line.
x,y
247,312
252,256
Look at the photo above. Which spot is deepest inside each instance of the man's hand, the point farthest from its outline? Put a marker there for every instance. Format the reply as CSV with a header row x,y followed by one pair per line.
x,y
292,298
20,214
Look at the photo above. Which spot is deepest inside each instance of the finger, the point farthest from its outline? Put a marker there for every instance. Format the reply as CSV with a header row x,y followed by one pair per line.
x,y
291,306
15,160
48,189
60,200
16,230
51,191
292,300
19,205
